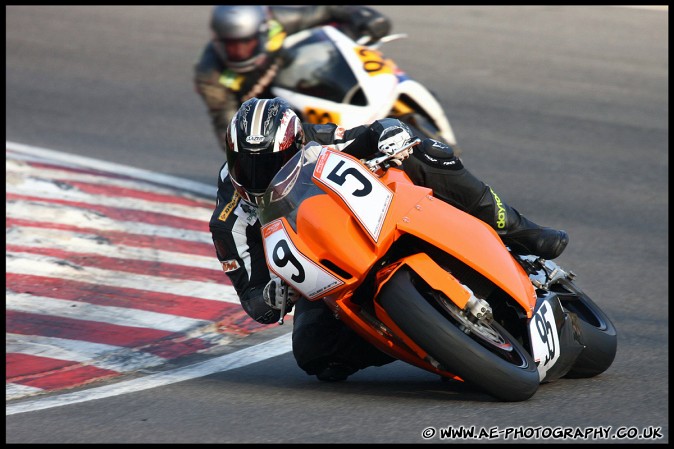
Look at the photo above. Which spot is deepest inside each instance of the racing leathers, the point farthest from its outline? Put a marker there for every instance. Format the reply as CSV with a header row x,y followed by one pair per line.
x,y
224,90
318,338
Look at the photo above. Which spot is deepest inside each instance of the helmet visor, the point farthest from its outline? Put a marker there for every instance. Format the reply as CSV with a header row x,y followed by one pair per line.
x,y
254,171
238,50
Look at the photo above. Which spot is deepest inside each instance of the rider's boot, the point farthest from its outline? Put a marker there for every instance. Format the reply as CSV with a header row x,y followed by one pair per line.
x,y
516,231
335,372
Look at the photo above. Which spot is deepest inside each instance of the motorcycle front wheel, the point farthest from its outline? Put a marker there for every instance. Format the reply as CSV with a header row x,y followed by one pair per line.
x,y
486,356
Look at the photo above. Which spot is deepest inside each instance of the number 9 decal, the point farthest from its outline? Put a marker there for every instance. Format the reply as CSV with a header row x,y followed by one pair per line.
x,y
282,261
298,270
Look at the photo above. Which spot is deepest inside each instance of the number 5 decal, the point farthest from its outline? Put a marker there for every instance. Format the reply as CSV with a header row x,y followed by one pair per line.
x,y
284,259
364,194
340,179
544,339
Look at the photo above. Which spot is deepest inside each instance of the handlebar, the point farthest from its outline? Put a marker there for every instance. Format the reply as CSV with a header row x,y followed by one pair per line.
x,y
375,164
375,44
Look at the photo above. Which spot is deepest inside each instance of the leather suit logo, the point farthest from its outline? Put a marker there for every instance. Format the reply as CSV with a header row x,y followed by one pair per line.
x,y
230,265
229,207
501,214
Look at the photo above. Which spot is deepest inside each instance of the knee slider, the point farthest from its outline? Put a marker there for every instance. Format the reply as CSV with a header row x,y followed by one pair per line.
x,y
437,154
378,126
259,310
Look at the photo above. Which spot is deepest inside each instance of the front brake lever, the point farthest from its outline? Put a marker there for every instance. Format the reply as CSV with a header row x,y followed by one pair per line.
x,y
283,305
374,164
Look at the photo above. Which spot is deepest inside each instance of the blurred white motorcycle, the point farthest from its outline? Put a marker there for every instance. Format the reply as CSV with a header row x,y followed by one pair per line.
x,y
329,77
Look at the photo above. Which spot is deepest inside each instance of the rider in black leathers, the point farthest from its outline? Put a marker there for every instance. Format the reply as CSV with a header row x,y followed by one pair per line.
x,y
263,135
244,54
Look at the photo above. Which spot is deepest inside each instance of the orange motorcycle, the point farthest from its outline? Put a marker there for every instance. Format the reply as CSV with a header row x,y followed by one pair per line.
x,y
425,282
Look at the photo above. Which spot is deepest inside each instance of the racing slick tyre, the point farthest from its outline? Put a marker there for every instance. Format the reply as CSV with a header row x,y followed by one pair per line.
x,y
484,355
598,333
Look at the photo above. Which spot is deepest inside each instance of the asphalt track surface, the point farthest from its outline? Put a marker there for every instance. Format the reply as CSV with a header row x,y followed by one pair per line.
x,y
563,110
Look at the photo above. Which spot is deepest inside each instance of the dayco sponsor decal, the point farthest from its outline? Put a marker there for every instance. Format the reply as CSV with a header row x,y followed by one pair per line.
x,y
229,208
501,216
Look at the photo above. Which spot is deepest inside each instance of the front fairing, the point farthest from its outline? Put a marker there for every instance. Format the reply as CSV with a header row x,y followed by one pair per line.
x,y
290,187
304,232
325,221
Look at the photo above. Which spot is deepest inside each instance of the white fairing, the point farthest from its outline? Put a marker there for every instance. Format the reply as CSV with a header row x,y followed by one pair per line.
x,y
422,96
378,89
381,84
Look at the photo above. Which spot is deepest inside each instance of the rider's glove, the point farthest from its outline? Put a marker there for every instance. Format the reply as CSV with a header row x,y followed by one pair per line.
x,y
274,293
391,140
361,21
368,22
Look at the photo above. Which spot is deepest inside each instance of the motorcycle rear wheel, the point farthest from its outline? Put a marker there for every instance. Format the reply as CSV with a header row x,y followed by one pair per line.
x,y
423,127
598,333
506,371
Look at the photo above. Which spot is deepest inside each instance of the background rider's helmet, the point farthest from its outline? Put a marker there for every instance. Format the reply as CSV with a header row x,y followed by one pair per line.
x,y
240,34
262,136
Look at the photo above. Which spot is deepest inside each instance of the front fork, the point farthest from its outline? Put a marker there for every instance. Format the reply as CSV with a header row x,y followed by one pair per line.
x,y
553,331
439,279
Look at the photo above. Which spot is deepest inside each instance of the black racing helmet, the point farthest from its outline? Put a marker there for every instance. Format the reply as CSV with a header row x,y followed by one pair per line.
x,y
262,136
240,34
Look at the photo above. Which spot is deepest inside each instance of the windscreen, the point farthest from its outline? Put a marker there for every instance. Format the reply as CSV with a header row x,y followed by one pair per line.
x,y
314,66
291,185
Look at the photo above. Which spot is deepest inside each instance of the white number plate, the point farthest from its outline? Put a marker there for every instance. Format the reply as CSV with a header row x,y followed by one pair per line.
x,y
544,339
367,197
284,259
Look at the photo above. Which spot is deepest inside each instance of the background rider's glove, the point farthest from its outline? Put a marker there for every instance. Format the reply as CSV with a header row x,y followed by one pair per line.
x,y
274,293
392,139
362,21
367,21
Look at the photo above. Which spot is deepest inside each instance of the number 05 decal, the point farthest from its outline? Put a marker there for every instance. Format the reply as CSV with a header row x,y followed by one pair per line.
x,y
373,62
544,339
367,197
284,259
